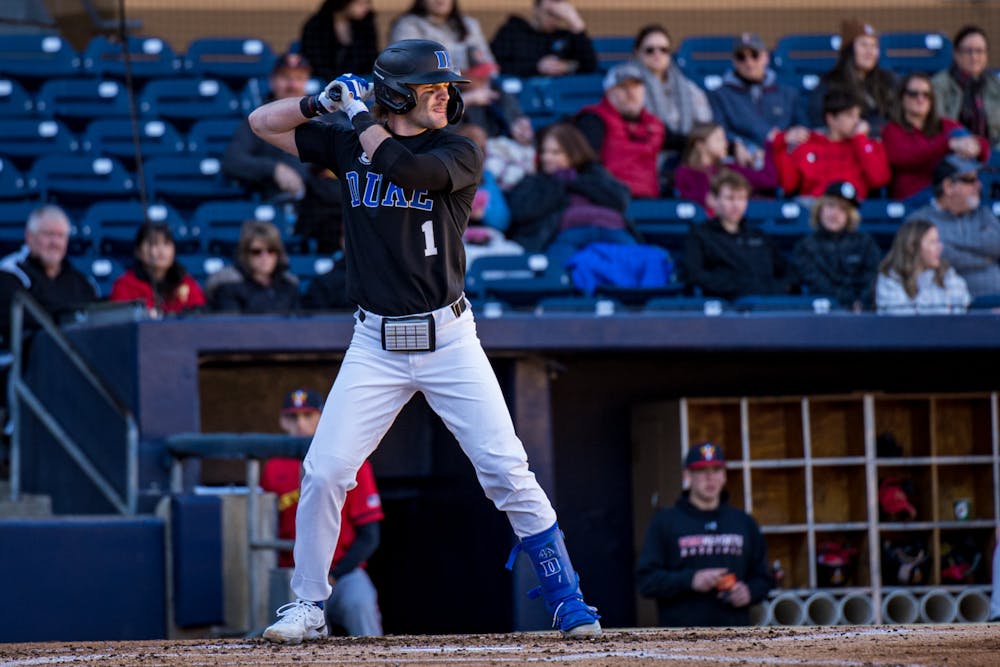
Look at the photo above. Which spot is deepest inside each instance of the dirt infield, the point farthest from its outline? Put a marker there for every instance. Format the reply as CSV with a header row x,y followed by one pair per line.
x,y
913,646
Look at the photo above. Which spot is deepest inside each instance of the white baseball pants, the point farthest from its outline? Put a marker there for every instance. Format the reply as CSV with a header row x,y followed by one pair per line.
x,y
371,388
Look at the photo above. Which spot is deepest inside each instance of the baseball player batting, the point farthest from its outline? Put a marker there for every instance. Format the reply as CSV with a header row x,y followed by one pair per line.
x,y
408,188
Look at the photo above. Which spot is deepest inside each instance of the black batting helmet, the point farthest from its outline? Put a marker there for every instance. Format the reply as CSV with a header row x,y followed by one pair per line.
x,y
415,61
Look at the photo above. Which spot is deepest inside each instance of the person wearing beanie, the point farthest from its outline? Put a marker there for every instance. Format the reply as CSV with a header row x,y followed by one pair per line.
x,y
857,72
704,561
967,91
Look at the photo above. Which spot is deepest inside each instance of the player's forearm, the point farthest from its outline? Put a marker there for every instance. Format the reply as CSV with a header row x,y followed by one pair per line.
x,y
276,121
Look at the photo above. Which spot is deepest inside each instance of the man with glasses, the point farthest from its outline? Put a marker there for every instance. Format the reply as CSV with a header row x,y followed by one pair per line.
x,y
969,231
968,91
752,106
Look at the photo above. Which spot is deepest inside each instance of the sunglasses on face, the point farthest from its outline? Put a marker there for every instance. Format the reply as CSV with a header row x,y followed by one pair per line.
x,y
650,50
257,252
747,55
909,92
968,179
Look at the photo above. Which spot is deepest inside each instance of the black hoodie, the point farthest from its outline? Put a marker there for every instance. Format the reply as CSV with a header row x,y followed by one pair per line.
x,y
684,539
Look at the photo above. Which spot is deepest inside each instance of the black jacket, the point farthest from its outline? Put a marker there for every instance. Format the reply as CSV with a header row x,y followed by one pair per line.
x,y
538,201
57,296
231,290
683,539
732,265
842,266
328,57
329,290
518,47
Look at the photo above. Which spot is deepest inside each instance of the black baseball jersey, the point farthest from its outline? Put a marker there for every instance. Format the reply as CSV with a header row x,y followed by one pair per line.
x,y
402,237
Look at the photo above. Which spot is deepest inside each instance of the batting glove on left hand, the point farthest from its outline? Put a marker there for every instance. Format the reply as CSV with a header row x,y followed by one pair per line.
x,y
347,92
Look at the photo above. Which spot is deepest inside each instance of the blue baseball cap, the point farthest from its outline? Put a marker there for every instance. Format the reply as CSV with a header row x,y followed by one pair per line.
x,y
952,166
302,400
705,455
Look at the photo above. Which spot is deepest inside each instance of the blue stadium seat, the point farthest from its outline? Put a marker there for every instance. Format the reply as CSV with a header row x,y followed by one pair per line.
x,y
797,55
638,296
13,184
75,179
882,218
211,136
701,56
34,58
905,52
14,100
687,304
989,302
184,101
307,267
230,58
78,101
114,137
760,211
13,217
149,57
613,49
201,265
516,279
810,303
115,225
665,222
565,95
188,180
23,140
598,306
220,222
104,271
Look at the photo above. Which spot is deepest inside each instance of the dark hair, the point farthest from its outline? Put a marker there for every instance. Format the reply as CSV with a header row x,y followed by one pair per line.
x,y
967,30
253,230
932,125
731,179
174,277
904,254
838,99
648,30
878,85
700,132
572,141
455,19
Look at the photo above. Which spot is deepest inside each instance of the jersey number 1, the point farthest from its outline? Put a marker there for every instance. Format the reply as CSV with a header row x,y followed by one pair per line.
x,y
428,229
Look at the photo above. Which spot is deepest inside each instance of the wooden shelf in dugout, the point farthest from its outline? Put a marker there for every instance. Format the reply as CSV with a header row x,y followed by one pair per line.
x,y
965,492
792,551
838,494
716,421
962,426
836,428
779,496
775,429
908,421
842,559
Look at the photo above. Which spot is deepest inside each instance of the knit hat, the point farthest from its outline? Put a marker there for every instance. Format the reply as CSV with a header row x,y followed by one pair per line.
x,y
851,29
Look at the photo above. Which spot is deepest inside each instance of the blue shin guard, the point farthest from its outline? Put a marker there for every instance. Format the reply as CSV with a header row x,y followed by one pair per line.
x,y
559,583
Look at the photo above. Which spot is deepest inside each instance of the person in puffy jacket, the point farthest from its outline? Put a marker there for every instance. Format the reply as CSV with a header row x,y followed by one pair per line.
x,y
156,277
260,282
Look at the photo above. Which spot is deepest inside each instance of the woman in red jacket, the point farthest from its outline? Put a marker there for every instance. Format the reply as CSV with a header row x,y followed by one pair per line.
x,y
917,139
156,277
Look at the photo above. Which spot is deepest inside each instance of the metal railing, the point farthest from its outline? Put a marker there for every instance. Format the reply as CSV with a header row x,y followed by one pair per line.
x,y
18,391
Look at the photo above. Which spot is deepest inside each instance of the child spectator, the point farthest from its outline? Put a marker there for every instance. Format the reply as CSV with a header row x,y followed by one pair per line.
x,y
340,38
837,260
156,277
917,139
443,22
843,153
670,96
968,91
626,136
913,279
707,153
512,158
260,281
857,72
724,257
553,42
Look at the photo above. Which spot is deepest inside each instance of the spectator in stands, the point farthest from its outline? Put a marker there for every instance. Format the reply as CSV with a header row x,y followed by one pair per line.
x,y
487,104
726,258
353,605
707,154
844,152
837,260
553,42
41,269
443,22
969,92
752,106
969,231
279,176
670,96
340,38
156,277
571,202
512,158
914,279
627,138
704,561
857,72
917,139
260,282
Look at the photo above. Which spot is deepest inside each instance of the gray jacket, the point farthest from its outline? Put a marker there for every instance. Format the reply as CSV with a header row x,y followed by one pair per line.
x,y
971,244
949,100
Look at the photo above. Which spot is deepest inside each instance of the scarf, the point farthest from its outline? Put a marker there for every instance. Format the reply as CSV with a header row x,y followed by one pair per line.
x,y
670,100
972,113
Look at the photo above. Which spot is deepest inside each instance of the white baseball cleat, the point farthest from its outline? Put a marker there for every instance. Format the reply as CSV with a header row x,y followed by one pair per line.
x,y
297,622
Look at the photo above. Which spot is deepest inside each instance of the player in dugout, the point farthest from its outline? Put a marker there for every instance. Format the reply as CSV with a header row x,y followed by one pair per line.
x,y
408,188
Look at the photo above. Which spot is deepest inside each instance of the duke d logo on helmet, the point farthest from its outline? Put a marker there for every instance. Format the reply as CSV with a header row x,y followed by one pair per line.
x,y
412,62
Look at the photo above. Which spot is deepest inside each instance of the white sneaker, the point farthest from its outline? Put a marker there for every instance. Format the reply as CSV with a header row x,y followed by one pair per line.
x,y
297,622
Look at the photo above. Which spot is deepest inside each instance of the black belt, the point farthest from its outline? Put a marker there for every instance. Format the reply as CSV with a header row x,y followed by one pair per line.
x,y
457,309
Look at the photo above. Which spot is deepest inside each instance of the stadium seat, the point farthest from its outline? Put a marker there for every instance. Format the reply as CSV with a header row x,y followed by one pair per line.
x,y
579,305
805,54
905,52
230,58
220,222
989,302
13,184
187,100
565,95
14,100
638,296
35,58
78,101
760,211
115,225
201,265
687,304
149,57
24,140
702,56
307,267
13,217
613,49
881,218
81,179
104,271
211,136
783,302
188,180
516,279
114,137
665,222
